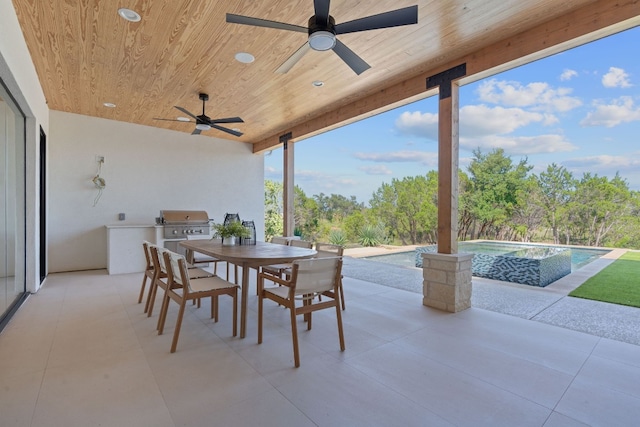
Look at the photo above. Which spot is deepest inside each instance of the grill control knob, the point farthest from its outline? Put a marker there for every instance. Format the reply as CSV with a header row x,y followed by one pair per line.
x,y
175,231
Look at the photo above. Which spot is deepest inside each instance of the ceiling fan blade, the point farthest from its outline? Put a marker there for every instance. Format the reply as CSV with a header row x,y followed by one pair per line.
x,y
172,120
321,8
186,112
257,22
293,59
394,18
196,132
231,131
227,120
356,63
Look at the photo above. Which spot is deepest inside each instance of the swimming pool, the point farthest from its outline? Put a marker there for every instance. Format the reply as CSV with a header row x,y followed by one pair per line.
x,y
579,256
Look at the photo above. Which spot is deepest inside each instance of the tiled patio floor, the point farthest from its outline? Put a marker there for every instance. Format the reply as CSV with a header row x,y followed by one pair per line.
x,y
82,353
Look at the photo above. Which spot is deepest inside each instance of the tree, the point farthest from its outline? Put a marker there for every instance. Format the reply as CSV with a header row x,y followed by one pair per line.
x,y
557,185
273,211
599,206
494,185
305,215
407,207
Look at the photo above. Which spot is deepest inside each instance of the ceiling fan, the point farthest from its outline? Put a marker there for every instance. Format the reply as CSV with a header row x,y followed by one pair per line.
x,y
204,122
322,31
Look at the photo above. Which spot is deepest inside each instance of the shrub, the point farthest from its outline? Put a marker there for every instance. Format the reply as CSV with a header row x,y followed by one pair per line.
x,y
371,235
337,237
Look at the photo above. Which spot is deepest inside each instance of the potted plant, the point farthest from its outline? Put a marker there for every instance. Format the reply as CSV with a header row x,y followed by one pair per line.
x,y
230,231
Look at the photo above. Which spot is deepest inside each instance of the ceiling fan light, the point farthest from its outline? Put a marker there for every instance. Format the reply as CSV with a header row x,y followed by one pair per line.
x,y
203,126
322,40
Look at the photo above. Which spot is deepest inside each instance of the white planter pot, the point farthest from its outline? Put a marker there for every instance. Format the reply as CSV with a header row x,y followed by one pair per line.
x,y
229,241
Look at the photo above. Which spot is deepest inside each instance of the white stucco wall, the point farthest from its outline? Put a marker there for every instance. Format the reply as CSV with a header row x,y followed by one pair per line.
x,y
146,169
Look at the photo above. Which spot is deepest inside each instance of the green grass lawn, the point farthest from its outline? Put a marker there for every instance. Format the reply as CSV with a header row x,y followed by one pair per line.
x,y
619,283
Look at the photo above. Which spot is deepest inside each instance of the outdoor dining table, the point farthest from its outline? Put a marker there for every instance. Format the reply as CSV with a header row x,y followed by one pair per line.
x,y
248,256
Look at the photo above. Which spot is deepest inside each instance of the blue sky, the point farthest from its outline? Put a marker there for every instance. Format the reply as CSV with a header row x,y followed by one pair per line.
x,y
579,109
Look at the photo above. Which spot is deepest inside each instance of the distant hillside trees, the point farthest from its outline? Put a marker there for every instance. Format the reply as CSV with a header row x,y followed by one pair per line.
x,y
498,199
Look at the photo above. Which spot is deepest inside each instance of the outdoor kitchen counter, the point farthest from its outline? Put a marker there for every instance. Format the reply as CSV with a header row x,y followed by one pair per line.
x,y
124,246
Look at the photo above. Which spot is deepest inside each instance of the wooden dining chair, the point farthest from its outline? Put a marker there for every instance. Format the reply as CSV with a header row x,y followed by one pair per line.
x,y
148,272
284,269
181,289
280,240
160,278
309,279
330,250
196,259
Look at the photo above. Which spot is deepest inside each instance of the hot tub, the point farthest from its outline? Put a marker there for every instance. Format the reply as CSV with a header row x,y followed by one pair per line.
x,y
535,266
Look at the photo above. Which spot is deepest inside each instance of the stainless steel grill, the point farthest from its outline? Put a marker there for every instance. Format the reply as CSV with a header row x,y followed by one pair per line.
x,y
180,224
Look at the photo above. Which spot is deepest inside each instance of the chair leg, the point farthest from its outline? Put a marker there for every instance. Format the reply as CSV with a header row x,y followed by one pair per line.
x,y
307,316
260,320
151,299
214,308
294,335
163,313
176,333
152,293
144,284
341,295
340,333
235,312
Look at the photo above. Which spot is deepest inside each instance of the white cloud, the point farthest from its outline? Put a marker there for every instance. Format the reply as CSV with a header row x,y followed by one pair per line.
x,y
475,121
520,145
606,165
418,124
621,110
568,74
480,120
426,158
616,77
376,170
537,95
271,172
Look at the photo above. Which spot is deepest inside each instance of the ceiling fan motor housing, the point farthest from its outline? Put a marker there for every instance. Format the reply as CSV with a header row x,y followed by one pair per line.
x,y
322,36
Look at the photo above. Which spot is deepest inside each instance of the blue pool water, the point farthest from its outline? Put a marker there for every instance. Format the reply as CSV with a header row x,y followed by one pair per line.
x,y
579,256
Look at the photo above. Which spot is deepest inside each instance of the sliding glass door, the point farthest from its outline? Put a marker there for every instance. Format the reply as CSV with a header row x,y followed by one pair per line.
x,y
12,203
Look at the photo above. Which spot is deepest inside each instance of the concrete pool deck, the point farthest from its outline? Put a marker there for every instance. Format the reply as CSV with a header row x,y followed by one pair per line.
x,y
550,304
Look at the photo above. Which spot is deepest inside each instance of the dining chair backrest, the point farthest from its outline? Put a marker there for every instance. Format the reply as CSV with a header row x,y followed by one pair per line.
x,y
229,218
157,256
328,250
146,246
316,275
280,240
176,267
301,244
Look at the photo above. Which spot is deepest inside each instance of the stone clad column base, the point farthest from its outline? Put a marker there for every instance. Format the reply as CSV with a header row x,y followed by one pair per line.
x,y
447,281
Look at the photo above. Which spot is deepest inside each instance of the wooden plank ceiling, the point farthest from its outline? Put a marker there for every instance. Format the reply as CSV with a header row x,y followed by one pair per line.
x,y
85,54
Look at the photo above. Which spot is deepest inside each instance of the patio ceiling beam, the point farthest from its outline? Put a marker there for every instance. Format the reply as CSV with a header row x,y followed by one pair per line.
x,y
595,20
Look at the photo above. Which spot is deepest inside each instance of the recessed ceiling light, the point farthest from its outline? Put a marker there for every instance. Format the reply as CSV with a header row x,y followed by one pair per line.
x,y
109,104
244,57
129,15
318,83
183,119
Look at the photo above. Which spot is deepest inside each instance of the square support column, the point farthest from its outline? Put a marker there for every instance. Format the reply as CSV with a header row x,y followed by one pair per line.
x,y
288,184
447,281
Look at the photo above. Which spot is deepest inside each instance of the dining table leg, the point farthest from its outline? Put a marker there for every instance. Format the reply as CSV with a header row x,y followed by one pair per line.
x,y
244,291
